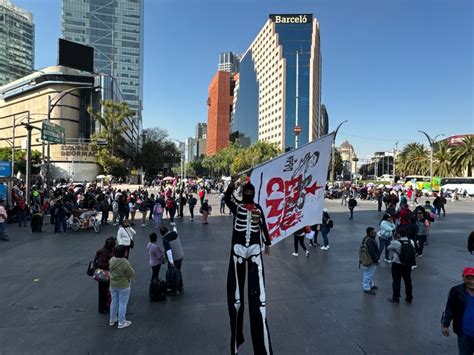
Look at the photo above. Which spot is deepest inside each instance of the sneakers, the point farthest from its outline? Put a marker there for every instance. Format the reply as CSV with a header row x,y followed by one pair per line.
x,y
420,255
324,247
414,267
112,323
307,254
294,254
387,260
143,225
370,292
125,324
393,300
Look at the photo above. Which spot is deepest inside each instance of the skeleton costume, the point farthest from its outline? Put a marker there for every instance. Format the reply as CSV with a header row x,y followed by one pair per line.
x,y
249,227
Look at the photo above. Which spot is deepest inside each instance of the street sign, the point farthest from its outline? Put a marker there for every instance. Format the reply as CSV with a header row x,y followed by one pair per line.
x,y
5,168
53,133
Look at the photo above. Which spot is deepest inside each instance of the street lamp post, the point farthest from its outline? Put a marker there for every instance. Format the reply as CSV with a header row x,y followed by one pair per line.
x,y
334,151
431,142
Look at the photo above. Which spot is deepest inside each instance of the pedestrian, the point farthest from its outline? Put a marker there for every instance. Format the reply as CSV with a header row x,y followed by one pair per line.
x,y
385,234
403,259
121,273
157,214
470,242
460,310
132,207
174,253
201,195
182,203
115,212
3,220
125,236
156,256
21,213
352,204
101,261
442,203
151,205
299,238
143,208
122,208
171,208
423,228
205,210
104,208
369,258
326,226
246,259
191,203
221,203
405,214
379,200
60,212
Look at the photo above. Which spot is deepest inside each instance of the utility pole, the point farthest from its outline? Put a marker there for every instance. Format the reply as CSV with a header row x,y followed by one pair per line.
x,y
297,102
431,142
333,158
48,149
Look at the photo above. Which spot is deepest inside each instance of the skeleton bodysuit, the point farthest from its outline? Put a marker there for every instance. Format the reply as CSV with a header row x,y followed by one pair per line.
x,y
248,228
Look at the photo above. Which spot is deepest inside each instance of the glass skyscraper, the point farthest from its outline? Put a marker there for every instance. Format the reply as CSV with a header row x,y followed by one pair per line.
x,y
17,42
273,91
115,29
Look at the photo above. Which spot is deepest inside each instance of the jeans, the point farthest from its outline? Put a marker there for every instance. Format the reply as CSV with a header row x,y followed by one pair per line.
x,y
155,272
351,210
157,219
2,230
60,222
104,218
379,206
384,243
465,345
367,279
114,217
172,212
191,211
21,218
420,242
325,232
119,303
399,271
144,217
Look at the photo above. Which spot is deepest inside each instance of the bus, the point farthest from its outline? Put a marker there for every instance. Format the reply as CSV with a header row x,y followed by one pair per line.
x,y
450,184
420,182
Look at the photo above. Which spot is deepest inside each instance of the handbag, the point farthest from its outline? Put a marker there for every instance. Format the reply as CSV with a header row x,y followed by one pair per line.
x,y
101,275
91,268
132,243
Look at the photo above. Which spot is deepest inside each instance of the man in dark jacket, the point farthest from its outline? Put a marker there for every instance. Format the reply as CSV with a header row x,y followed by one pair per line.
x,y
373,249
470,242
191,203
460,310
352,203
175,255
101,261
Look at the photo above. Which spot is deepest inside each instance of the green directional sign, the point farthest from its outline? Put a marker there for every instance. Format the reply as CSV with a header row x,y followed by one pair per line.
x,y
53,133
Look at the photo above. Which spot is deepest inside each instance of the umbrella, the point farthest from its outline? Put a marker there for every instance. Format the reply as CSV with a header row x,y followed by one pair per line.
x,y
370,184
100,177
199,180
168,178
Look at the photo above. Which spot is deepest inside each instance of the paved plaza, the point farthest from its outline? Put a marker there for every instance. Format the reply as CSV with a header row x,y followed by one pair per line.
x,y
314,305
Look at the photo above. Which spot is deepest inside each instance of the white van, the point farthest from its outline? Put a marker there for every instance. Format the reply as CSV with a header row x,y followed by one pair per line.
x,y
385,177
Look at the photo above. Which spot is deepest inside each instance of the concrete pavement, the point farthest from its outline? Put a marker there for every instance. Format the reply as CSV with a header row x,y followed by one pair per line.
x,y
315,305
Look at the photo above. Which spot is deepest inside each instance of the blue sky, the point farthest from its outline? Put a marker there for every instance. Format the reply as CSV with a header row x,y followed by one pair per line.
x,y
389,67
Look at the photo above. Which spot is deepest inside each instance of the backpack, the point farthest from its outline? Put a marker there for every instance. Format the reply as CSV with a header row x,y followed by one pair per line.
x,y
407,253
364,257
409,216
158,209
330,223
157,290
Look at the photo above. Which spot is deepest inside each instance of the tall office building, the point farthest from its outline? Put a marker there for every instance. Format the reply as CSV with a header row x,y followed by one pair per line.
x,y
115,29
17,42
219,110
279,88
324,120
228,61
201,130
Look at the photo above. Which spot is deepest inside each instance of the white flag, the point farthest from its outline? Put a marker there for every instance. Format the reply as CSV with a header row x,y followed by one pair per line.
x,y
290,188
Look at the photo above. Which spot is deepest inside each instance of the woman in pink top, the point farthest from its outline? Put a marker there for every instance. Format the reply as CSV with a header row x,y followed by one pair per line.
x,y
156,256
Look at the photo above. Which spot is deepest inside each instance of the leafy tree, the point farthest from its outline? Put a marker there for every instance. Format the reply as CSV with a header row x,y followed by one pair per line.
x,y
112,128
257,154
413,160
20,160
463,156
339,164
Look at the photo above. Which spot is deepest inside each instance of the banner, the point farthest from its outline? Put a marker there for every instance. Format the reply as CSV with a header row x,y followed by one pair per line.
x,y
290,188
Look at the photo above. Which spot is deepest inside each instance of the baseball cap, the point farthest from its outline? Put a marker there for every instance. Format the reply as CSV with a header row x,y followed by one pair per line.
x,y
468,271
325,209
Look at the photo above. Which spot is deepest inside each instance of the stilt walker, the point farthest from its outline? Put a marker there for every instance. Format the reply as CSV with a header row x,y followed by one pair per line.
x,y
249,230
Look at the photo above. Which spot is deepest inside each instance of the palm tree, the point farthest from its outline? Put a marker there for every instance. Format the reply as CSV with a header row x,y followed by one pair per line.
x,y
463,156
413,160
442,160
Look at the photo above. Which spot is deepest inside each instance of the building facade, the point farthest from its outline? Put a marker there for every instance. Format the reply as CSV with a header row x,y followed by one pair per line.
x,y
324,120
114,28
228,61
17,42
69,92
279,88
219,110
349,159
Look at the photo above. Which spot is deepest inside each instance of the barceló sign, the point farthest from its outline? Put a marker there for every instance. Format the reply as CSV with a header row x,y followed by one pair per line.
x,y
292,19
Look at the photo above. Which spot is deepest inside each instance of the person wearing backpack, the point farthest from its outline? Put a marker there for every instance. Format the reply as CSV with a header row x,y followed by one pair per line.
x,y
326,228
423,229
403,258
157,213
352,204
369,259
